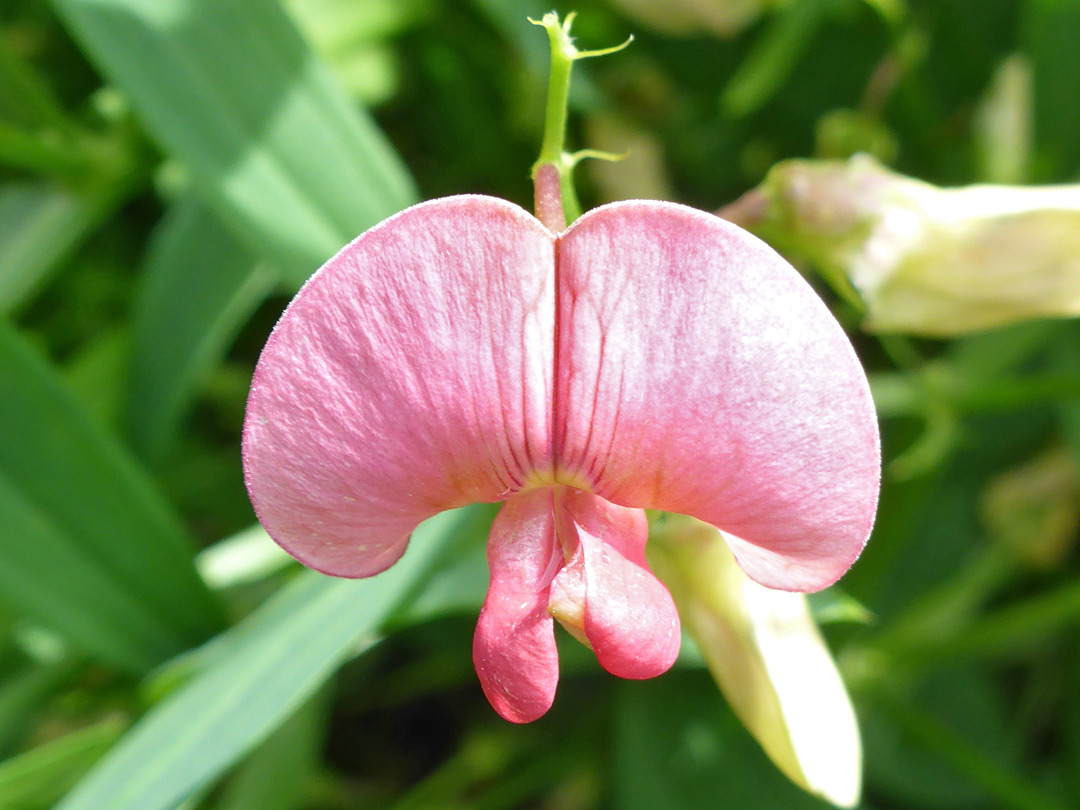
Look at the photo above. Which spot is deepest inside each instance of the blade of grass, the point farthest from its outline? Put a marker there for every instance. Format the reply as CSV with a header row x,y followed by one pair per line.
x,y
40,226
276,773
228,88
199,286
87,546
256,674
39,777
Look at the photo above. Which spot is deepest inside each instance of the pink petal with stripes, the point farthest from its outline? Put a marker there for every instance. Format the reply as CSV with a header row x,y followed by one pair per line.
x,y
698,373
412,374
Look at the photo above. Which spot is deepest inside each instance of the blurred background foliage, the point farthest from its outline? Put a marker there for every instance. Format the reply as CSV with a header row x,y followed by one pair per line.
x,y
170,173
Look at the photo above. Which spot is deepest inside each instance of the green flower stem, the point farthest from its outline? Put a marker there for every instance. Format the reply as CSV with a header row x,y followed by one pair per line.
x,y
998,780
948,610
29,95
25,150
557,203
900,394
562,61
1006,633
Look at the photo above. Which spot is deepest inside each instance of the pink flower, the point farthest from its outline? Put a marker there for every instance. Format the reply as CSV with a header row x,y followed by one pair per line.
x,y
649,357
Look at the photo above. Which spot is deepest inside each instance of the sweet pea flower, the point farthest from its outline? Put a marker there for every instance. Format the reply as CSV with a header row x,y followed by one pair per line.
x,y
650,356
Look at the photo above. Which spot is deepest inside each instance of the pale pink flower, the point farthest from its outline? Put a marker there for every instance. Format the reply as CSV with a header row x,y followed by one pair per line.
x,y
651,356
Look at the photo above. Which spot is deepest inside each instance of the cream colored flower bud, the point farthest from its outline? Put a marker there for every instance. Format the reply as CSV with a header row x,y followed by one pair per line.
x,y
768,657
1034,509
725,18
925,260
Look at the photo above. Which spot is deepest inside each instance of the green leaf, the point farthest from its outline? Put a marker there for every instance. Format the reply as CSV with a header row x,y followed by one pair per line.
x,y
457,587
274,776
678,745
198,288
256,674
834,606
241,559
273,145
87,546
97,376
774,56
1048,35
39,777
23,692
39,225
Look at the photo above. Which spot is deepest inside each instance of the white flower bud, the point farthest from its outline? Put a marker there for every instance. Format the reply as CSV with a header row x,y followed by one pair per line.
x,y
925,260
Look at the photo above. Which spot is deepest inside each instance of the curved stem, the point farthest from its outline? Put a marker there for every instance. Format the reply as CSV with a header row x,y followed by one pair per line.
x,y
563,53
556,201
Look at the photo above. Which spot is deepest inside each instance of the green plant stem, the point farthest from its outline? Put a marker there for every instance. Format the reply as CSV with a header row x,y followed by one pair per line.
x,y
25,150
1008,630
1009,789
25,90
898,394
556,202
557,205
555,113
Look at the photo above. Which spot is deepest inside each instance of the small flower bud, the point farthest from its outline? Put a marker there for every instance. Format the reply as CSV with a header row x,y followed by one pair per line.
x,y
1034,509
766,654
925,260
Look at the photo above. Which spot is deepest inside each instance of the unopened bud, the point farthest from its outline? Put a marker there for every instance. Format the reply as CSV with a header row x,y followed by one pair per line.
x,y
1034,509
768,657
925,260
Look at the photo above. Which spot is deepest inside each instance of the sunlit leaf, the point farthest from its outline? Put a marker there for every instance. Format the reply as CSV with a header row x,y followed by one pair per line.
x,y
274,776
39,225
197,289
230,90
87,546
245,557
255,676
39,777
